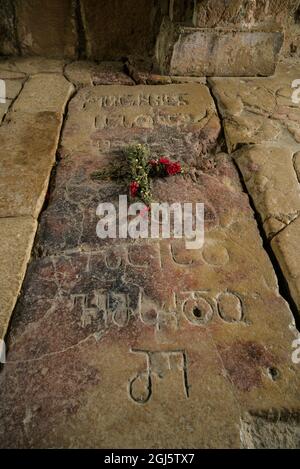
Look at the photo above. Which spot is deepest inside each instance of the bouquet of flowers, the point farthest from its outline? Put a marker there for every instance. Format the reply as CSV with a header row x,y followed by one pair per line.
x,y
138,170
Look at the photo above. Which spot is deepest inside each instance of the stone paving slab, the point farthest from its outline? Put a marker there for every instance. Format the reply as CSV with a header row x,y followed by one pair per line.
x,y
83,73
13,86
30,138
27,157
183,348
271,180
29,132
259,110
44,93
17,235
31,65
286,247
261,124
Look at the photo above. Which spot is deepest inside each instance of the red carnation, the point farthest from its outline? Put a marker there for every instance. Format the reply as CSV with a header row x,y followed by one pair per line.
x,y
165,161
134,187
173,168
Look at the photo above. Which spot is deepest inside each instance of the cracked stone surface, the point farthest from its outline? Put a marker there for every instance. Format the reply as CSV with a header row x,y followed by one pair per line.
x,y
286,247
17,235
184,348
185,50
261,122
31,120
30,136
31,65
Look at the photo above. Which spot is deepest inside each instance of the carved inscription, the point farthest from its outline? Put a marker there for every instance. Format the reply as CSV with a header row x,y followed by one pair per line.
x,y
142,110
113,307
141,99
146,121
158,364
198,308
163,253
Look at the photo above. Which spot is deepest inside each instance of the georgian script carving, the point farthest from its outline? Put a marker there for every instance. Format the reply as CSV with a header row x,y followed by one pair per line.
x,y
158,363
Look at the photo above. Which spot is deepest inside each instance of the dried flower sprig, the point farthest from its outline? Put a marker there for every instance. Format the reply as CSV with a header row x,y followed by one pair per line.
x,y
138,170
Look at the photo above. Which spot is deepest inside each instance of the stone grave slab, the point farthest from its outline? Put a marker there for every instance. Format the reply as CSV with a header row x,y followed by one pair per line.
x,y
143,343
178,120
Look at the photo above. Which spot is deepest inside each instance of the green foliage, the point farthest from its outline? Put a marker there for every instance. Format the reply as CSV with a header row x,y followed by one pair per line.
x,y
137,171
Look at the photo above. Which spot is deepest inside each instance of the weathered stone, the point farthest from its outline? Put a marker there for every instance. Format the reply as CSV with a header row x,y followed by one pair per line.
x,y
12,89
17,235
220,52
143,73
264,16
183,79
138,321
35,65
29,141
114,36
107,330
282,14
266,111
292,41
9,74
243,13
175,120
27,155
110,114
69,28
4,108
194,312
8,40
286,247
46,28
83,73
44,93
264,431
272,181
258,110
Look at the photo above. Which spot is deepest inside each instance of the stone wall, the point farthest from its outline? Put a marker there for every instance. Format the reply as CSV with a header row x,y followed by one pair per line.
x,y
96,29
228,37
266,15
225,32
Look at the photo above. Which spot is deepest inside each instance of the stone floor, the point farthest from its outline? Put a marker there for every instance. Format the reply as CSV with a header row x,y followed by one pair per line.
x,y
124,343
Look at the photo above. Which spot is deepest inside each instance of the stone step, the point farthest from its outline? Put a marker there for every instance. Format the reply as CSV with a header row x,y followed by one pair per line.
x,y
182,50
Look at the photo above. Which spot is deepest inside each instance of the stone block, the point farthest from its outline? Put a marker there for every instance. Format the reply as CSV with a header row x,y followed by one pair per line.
x,y
216,52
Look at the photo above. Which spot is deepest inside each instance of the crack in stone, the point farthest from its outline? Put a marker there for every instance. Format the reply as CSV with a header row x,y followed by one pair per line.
x,y
51,354
294,166
283,287
23,81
